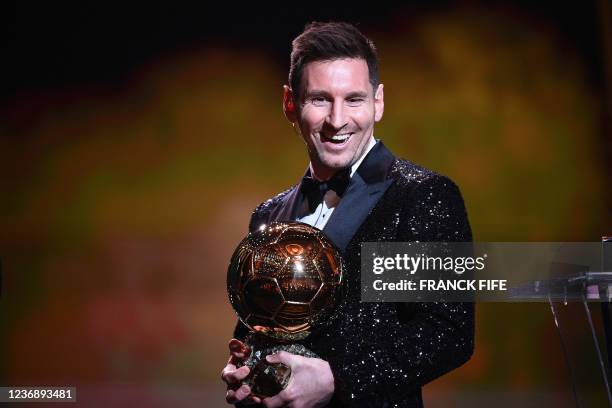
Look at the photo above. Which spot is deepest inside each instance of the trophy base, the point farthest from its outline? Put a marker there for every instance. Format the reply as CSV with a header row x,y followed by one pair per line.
x,y
265,379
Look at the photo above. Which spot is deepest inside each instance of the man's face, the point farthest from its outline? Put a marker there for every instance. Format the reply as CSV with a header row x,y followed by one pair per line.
x,y
336,113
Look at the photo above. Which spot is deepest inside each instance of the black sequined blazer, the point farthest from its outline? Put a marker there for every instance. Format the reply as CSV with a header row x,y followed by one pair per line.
x,y
381,354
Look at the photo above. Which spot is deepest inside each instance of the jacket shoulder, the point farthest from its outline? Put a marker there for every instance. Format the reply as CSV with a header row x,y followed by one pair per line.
x,y
419,181
261,213
408,173
434,209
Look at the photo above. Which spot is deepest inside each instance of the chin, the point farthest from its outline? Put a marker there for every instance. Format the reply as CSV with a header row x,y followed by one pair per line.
x,y
333,161
337,164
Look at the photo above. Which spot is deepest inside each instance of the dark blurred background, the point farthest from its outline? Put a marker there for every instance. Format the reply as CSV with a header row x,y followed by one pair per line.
x,y
135,140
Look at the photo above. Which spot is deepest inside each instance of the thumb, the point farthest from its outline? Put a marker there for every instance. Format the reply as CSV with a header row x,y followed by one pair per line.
x,y
282,357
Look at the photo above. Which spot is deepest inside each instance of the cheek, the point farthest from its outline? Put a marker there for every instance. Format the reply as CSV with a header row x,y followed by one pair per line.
x,y
364,118
312,119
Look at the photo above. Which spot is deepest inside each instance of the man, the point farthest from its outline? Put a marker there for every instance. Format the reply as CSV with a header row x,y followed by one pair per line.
x,y
372,354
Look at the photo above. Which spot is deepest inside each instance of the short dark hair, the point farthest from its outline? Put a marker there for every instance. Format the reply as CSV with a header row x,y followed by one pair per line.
x,y
330,41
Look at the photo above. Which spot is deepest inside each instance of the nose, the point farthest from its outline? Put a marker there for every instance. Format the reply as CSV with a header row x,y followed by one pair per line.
x,y
337,116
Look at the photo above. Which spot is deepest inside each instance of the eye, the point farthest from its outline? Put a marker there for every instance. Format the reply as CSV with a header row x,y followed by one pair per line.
x,y
355,101
318,100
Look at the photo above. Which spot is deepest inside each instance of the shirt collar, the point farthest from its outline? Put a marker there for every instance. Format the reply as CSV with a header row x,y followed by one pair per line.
x,y
356,165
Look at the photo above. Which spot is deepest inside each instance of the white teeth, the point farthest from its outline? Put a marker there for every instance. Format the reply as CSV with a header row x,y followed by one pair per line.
x,y
342,137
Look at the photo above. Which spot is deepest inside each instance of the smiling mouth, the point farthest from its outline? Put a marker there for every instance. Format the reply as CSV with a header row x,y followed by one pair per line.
x,y
337,139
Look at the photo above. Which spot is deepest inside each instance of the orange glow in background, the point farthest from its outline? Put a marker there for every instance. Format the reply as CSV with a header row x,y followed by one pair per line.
x,y
122,204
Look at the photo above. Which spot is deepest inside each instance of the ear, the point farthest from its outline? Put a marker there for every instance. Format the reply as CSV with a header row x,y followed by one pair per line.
x,y
379,102
289,104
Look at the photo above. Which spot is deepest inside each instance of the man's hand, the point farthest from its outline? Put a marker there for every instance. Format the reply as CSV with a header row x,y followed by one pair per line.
x,y
311,383
236,391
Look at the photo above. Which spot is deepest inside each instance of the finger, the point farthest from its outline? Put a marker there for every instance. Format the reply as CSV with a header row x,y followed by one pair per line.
x,y
232,376
230,396
228,368
242,392
233,396
237,375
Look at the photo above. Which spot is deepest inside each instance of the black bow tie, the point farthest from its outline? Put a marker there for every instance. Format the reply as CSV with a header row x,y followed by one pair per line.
x,y
314,190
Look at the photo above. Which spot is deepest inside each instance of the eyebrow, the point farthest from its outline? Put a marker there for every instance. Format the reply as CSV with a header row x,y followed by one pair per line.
x,y
357,94
317,92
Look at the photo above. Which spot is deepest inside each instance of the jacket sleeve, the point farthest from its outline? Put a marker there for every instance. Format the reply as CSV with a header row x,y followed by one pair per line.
x,y
420,341
240,330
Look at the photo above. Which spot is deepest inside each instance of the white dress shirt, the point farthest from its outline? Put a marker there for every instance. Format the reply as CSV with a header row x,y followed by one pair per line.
x,y
330,201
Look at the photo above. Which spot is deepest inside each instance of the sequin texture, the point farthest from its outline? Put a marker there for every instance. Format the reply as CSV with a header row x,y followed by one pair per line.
x,y
381,354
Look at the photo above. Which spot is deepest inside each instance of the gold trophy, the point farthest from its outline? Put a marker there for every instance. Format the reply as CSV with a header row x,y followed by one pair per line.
x,y
283,280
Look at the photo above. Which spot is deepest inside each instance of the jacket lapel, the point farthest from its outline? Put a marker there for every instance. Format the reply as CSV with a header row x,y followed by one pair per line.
x,y
353,209
367,185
